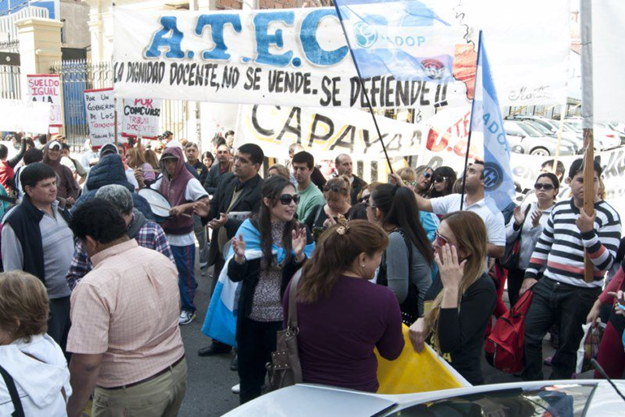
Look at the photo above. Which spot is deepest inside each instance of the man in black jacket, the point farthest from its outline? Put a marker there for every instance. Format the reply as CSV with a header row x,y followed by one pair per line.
x,y
36,238
344,166
239,191
218,170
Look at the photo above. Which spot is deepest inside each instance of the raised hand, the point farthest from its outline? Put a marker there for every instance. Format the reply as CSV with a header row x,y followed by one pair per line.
x,y
396,180
298,237
519,215
238,246
451,269
536,218
584,222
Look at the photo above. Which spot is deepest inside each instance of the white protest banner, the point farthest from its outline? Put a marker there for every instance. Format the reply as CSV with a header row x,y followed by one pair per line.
x,y
608,56
24,116
141,117
46,88
325,133
299,57
100,106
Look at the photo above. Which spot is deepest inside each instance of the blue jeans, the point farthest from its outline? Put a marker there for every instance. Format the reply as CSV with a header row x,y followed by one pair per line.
x,y
185,263
566,305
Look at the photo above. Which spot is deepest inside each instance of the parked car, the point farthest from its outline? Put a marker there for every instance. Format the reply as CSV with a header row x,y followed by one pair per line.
x,y
604,135
538,398
523,138
553,127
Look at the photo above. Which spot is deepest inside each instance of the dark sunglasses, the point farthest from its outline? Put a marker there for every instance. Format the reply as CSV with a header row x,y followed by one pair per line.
x,y
286,199
336,190
440,179
427,175
546,187
365,199
440,240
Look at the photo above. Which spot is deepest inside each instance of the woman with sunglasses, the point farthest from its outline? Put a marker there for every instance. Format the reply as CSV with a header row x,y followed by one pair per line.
x,y
406,264
528,222
268,250
424,180
461,300
443,180
337,194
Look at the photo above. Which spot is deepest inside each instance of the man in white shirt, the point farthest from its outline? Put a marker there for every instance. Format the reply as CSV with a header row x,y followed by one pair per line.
x,y
473,201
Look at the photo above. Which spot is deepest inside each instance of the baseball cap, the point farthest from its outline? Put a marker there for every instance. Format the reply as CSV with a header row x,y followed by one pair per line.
x,y
55,145
108,149
168,156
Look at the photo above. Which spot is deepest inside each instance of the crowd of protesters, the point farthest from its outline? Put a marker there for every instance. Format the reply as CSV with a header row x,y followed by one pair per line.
x,y
80,240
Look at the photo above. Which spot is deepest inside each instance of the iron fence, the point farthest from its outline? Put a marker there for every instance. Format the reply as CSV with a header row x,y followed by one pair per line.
x,y
10,85
80,75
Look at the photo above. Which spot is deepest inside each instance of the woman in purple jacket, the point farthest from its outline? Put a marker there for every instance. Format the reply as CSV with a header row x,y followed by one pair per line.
x,y
342,315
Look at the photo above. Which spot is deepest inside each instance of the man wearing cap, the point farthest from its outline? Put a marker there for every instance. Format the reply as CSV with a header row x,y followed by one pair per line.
x,y
182,190
67,187
111,149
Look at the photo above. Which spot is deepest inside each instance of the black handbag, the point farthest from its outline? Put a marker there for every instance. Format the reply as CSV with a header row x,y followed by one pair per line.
x,y
512,254
285,369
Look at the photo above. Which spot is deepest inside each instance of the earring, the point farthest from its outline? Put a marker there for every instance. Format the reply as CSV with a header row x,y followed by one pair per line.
x,y
363,265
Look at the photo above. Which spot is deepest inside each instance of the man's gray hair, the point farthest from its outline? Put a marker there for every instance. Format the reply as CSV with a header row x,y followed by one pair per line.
x,y
118,195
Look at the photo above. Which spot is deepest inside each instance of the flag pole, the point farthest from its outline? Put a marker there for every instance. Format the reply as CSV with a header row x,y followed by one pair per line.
x,y
362,86
587,122
466,155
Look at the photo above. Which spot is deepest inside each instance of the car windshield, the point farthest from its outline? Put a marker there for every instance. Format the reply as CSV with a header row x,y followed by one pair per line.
x,y
542,129
529,130
574,125
569,400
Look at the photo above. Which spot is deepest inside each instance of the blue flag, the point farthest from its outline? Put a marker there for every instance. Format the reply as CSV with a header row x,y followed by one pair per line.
x,y
486,119
406,39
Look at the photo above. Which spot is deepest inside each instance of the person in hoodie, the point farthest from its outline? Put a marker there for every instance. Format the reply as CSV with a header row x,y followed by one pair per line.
x,y
30,358
147,233
111,149
182,190
67,187
110,170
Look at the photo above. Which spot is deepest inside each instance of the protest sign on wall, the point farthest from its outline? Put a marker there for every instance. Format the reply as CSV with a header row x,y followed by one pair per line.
x,y
141,117
24,116
46,88
325,133
299,57
100,105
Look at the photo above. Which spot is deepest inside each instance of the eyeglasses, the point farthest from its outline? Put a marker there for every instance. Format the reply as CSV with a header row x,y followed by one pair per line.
x,y
546,187
440,240
427,175
286,199
365,199
440,179
336,190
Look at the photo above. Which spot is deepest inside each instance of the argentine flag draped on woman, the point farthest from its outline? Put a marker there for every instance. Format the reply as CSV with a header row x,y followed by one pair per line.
x,y
221,320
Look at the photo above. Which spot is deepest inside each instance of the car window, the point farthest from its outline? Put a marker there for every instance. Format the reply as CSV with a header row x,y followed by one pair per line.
x,y
511,128
529,130
542,129
570,400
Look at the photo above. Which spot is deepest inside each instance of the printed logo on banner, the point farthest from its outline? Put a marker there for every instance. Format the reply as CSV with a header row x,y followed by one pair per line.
x,y
365,35
493,176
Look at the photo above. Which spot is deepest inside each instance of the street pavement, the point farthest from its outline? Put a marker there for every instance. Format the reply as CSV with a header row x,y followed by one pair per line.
x,y
210,379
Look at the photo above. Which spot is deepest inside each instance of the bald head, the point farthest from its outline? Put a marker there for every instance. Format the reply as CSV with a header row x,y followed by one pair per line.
x,y
344,164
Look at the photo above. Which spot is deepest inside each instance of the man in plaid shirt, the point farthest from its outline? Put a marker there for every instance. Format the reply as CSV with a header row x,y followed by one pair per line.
x,y
147,233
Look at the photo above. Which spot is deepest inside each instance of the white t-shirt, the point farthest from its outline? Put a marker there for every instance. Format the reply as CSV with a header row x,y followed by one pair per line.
x,y
495,227
193,192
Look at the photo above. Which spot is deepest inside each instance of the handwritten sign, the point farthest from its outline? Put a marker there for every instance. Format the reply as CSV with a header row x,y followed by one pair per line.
x,y
46,88
100,106
141,117
24,116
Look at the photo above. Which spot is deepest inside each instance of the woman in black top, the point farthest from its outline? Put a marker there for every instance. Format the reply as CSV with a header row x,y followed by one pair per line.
x,y
461,299
337,194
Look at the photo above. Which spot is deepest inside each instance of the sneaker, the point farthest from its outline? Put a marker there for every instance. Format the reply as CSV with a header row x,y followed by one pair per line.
x,y
204,271
186,317
548,361
236,389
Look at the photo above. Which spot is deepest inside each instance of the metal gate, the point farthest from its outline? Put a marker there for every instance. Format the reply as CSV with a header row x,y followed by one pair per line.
x,y
76,77
79,75
10,84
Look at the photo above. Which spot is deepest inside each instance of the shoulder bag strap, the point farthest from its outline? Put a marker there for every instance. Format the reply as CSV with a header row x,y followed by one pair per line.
x,y
527,211
292,319
15,398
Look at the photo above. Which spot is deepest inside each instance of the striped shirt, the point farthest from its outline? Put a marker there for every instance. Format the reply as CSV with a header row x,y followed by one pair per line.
x,y
560,249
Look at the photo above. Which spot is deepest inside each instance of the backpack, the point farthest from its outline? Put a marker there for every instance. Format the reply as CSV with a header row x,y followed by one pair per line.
x,y
504,345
